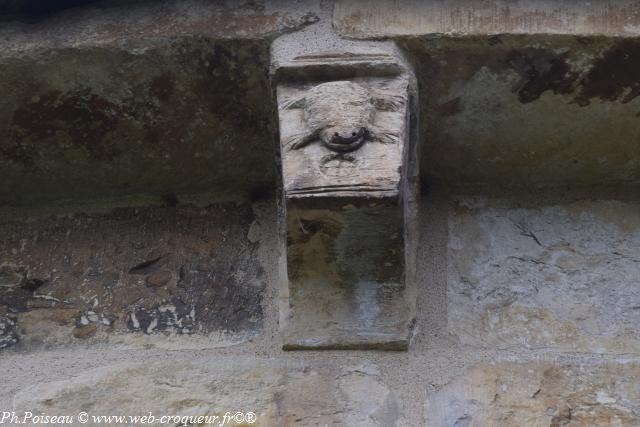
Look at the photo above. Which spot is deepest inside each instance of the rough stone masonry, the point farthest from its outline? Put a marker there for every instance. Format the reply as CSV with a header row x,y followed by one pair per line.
x,y
143,258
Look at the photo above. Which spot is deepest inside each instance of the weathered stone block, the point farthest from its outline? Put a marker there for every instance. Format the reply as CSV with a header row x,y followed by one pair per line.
x,y
539,394
541,111
345,143
560,276
276,392
347,276
384,18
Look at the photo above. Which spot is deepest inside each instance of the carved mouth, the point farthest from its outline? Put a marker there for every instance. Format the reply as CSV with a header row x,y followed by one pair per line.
x,y
342,144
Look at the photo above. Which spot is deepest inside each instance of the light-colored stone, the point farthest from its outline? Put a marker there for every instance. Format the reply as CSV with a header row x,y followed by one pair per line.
x,y
380,18
327,85
371,111
280,394
539,395
562,276
48,326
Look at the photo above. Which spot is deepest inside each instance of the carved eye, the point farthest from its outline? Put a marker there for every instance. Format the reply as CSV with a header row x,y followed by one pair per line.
x,y
336,134
353,134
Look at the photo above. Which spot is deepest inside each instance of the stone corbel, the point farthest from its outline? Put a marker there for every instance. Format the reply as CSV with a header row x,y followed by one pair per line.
x,y
347,142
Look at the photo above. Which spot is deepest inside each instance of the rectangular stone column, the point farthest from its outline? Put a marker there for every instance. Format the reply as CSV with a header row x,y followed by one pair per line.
x,y
349,186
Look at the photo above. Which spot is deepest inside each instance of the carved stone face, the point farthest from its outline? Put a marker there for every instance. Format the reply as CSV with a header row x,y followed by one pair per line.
x,y
343,137
341,113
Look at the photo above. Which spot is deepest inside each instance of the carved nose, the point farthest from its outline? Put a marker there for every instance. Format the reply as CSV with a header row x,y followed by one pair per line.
x,y
347,137
347,141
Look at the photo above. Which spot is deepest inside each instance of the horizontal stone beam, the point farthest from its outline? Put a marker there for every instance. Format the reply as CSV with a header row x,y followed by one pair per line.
x,y
390,18
161,99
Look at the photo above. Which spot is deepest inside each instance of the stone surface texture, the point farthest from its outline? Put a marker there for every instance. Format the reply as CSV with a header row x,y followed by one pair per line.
x,y
560,276
149,99
345,137
278,394
571,339
539,394
528,112
491,73
389,18
346,275
164,294
374,167
165,270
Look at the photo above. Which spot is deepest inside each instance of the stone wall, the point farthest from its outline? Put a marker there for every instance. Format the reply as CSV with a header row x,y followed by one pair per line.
x,y
141,245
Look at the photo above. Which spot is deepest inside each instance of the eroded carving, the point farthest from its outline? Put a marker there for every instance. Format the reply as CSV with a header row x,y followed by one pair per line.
x,y
341,115
345,137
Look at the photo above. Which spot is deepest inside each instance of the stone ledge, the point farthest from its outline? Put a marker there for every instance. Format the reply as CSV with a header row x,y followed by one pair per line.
x,y
389,18
124,24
